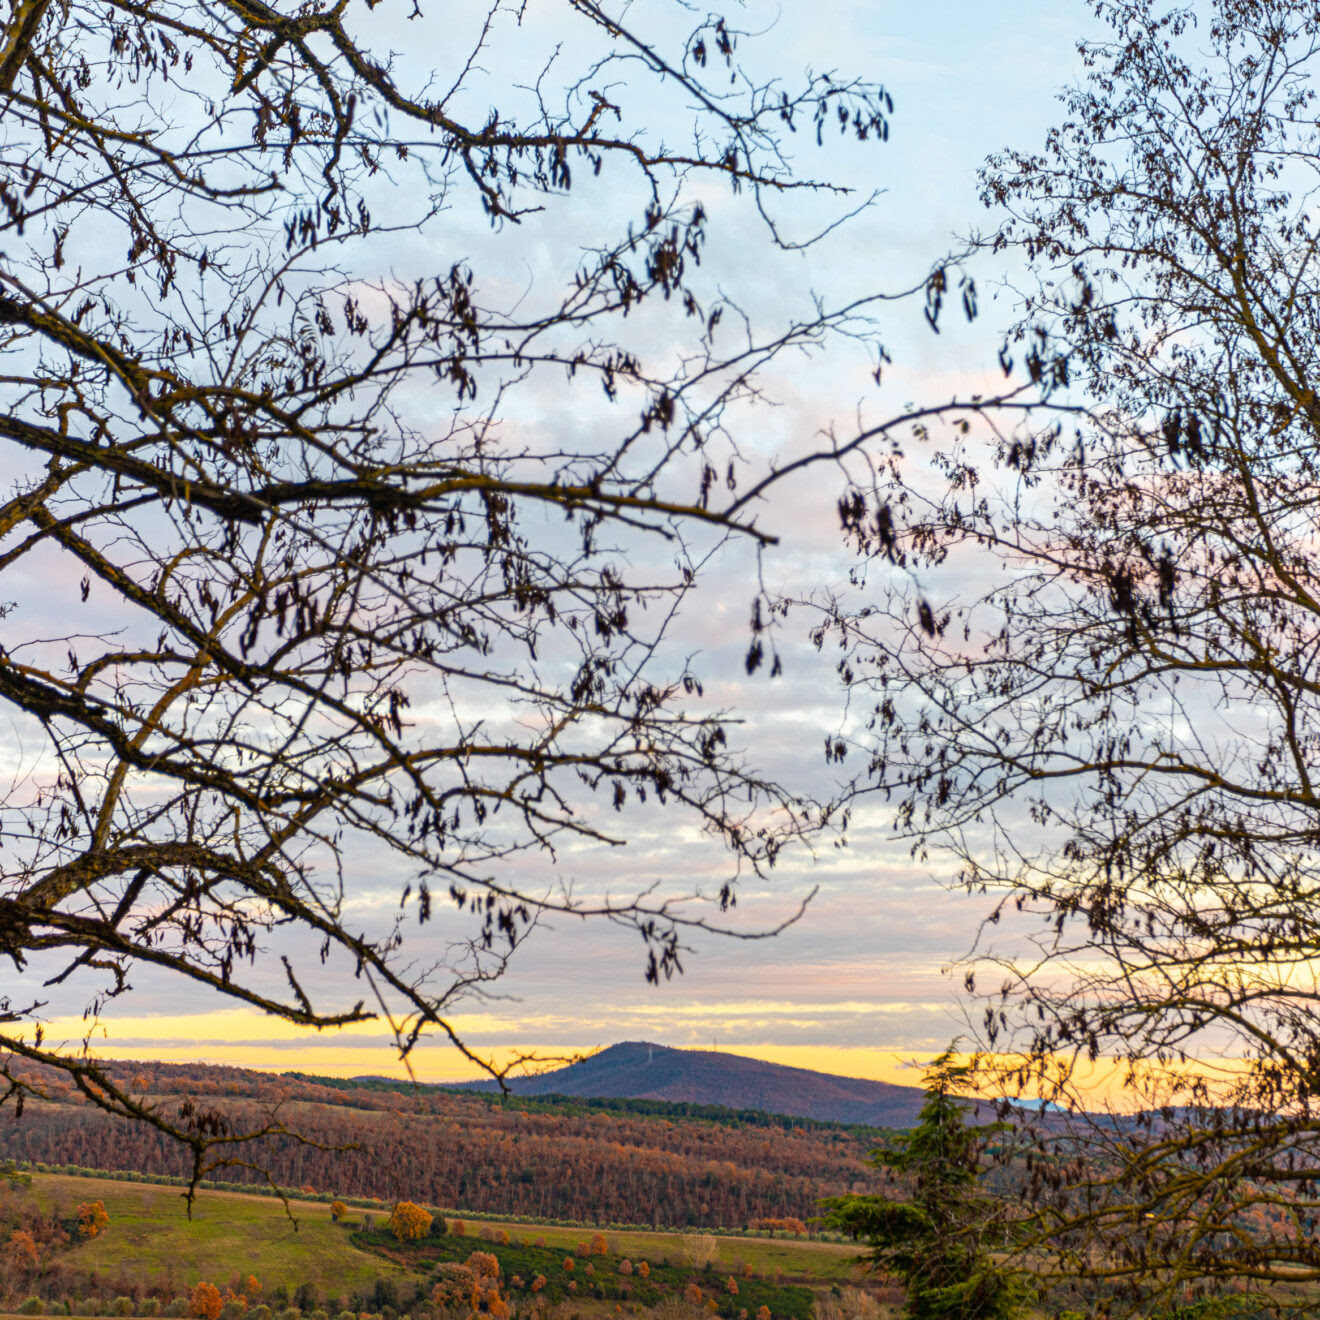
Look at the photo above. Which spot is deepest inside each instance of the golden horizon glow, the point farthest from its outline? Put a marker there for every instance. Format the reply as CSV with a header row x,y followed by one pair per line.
x,y
244,1038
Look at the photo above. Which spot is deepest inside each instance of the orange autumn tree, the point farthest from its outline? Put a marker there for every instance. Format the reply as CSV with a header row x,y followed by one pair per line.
x,y
484,1265
92,1219
486,1296
21,1252
455,1287
408,1222
205,1303
772,1226
338,1210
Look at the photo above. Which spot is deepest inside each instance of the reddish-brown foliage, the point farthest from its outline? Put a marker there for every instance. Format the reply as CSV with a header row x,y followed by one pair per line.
x,y
21,1252
205,1303
785,1225
460,1151
484,1265
92,1218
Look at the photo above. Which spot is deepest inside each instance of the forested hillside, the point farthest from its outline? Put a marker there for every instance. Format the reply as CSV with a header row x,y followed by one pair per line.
x,y
474,1152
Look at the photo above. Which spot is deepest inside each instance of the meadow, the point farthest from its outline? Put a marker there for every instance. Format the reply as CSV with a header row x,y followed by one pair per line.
x,y
152,1248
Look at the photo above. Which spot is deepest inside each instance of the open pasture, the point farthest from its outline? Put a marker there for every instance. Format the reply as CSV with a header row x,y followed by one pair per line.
x,y
150,1236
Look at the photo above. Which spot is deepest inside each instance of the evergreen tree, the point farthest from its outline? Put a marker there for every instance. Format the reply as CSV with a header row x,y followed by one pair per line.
x,y
935,1237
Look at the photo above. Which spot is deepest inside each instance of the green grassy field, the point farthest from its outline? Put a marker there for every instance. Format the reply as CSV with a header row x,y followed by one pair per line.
x,y
823,1262
151,1237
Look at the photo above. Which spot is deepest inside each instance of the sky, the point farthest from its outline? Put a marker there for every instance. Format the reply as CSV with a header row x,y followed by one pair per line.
x,y
860,983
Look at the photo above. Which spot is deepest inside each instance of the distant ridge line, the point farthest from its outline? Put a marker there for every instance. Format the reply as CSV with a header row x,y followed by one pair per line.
x,y
643,1070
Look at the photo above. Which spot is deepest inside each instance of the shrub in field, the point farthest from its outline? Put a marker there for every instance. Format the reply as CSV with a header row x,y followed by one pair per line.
x,y
679,1308
149,1307
455,1285
846,1304
33,1306
20,1252
599,1245
338,1211
205,1303
121,1306
699,1249
177,1308
483,1265
92,1219
409,1222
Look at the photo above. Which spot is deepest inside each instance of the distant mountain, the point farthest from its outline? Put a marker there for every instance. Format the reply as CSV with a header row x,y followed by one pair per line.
x,y
636,1070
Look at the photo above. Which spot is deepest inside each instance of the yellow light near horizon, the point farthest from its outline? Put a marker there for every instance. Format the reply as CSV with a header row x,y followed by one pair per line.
x,y
244,1038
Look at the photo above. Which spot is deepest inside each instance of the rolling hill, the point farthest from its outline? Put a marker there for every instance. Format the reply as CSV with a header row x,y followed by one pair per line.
x,y
638,1070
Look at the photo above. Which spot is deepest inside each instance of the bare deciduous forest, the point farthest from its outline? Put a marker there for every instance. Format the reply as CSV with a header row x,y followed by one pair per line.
x,y
475,1154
